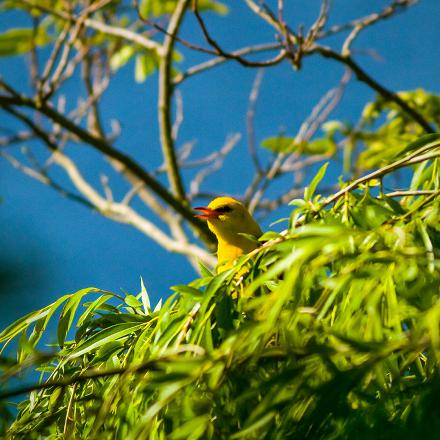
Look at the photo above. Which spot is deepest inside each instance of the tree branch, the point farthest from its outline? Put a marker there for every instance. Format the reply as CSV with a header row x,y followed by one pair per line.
x,y
102,146
246,63
347,60
362,76
164,103
150,365
389,11
221,59
411,159
99,26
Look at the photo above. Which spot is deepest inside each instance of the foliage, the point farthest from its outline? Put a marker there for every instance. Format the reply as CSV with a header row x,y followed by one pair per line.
x,y
384,129
332,333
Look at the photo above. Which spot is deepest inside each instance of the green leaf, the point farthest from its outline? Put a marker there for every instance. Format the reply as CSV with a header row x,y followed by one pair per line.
x,y
427,140
145,298
112,333
204,271
309,191
20,40
279,144
132,301
394,205
122,57
187,290
105,351
254,426
95,305
318,146
23,323
332,127
298,202
68,314
146,64
250,237
285,144
191,430
370,213
157,8
269,235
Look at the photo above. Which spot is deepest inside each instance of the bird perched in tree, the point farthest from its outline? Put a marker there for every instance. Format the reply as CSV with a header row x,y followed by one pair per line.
x,y
231,223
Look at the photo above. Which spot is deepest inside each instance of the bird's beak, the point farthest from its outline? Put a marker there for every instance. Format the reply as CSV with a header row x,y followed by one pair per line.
x,y
207,213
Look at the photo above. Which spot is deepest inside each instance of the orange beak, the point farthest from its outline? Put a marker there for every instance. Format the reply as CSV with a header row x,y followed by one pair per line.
x,y
207,213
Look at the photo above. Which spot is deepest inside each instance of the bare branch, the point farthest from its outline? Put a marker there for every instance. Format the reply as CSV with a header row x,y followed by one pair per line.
x,y
320,22
219,51
411,193
220,60
164,102
372,83
53,56
102,146
270,174
361,75
90,374
250,120
17,138
179,115
218,162
107,190
99,26
122,213
389,11
284,162
42,177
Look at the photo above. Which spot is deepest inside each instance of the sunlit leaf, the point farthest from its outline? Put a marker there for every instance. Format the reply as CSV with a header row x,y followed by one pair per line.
x,y
21,40
309,191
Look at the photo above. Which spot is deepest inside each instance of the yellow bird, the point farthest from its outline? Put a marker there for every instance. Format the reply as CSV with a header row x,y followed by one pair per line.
x,y
228,218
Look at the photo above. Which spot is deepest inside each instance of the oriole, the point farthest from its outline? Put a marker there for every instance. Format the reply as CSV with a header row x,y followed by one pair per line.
x,y
229,219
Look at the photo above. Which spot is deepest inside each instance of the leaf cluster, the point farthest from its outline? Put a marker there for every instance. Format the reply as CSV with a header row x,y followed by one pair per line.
x,y
384,129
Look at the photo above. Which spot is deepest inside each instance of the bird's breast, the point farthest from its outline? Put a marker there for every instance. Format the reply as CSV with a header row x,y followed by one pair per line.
x,y
230,250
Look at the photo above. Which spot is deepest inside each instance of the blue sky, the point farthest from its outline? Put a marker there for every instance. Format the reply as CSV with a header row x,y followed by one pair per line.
x,y
57,247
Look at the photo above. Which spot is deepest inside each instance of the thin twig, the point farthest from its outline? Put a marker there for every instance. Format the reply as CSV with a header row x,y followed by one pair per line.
x,y
411,159
390,10
192,314
179,115
362,76
219,51
19,137
410,193
220,60
70,411
250,120
150,365
216,165
53,56
371,19
99,26
42,177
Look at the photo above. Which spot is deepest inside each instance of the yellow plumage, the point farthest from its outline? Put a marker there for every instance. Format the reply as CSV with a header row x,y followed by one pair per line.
x,y
228,218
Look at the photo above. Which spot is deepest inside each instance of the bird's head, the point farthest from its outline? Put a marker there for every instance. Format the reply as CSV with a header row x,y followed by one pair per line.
x,y
227,216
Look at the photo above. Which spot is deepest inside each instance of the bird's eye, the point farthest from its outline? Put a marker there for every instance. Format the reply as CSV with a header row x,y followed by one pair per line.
x,y
223,209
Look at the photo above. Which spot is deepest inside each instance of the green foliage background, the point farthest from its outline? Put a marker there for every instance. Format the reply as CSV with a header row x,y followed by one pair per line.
x,y
329,330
